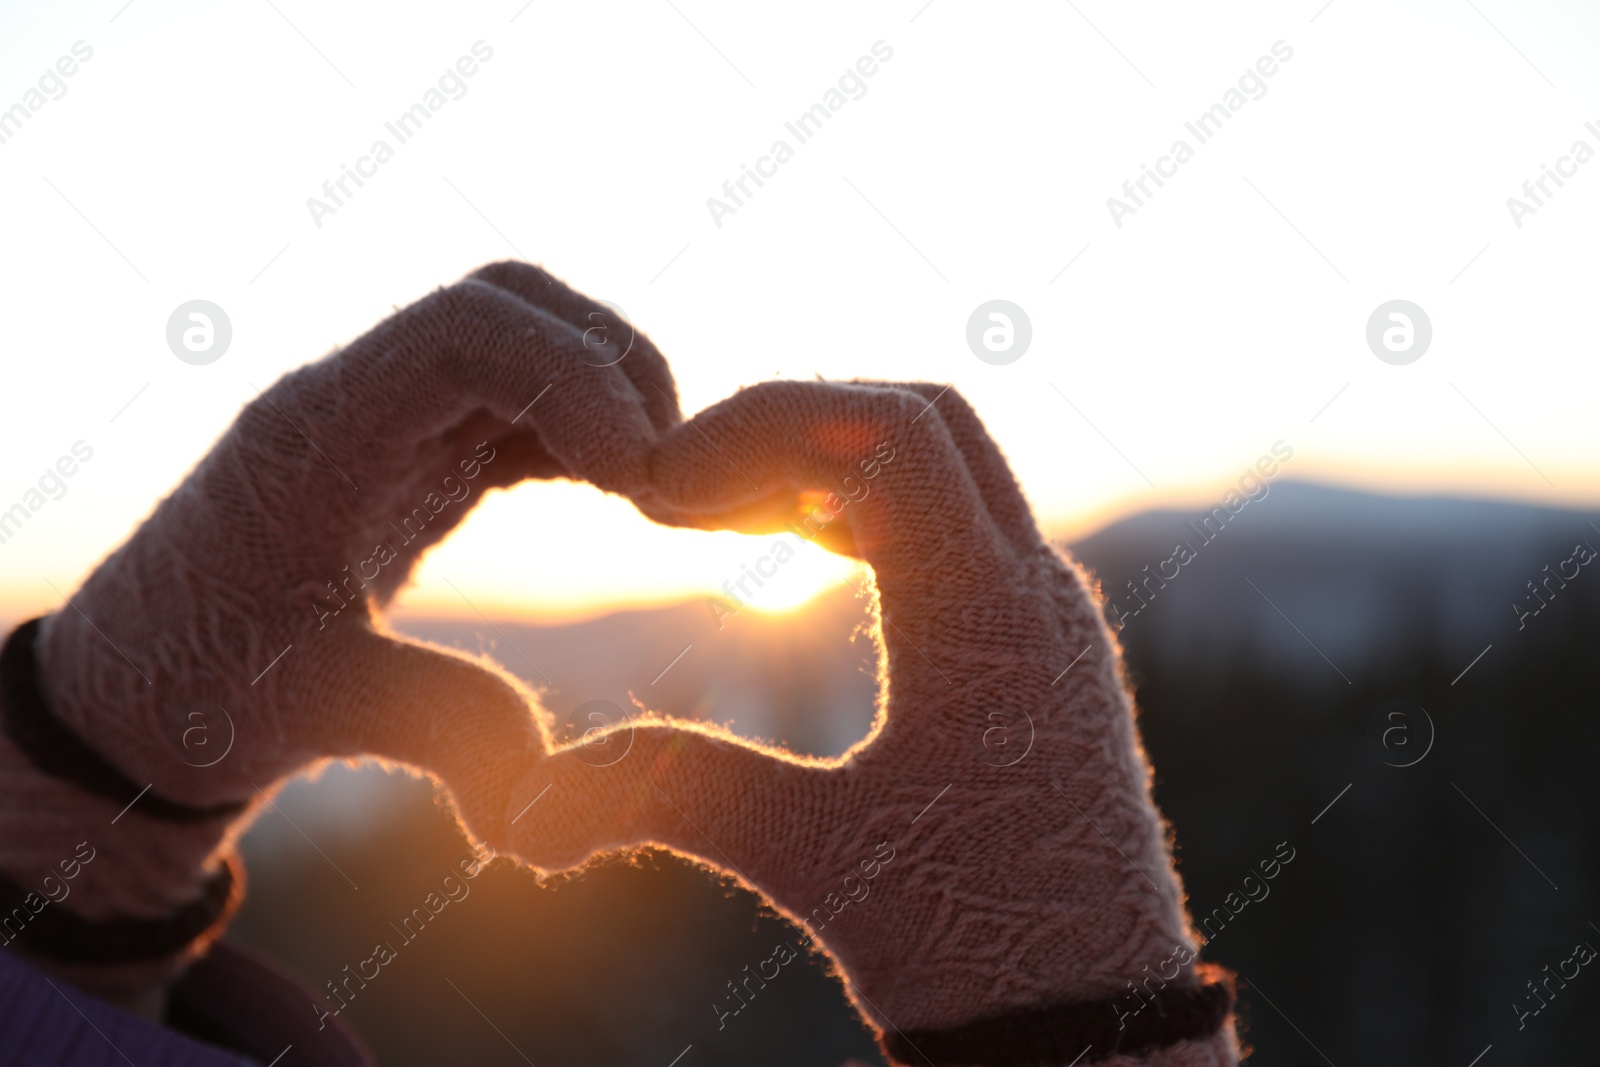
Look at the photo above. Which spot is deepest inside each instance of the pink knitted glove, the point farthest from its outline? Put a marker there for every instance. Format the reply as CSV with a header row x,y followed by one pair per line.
x,y
987,868
231,640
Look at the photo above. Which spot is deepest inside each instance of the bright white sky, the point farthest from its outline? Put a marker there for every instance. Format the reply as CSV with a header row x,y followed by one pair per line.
x,y
1220,318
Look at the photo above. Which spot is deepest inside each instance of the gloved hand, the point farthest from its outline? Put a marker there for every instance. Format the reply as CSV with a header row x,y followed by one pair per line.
x,y
231,641
986,868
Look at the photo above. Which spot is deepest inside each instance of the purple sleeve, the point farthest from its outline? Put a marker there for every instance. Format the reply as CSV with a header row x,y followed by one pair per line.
x,y
45,1020
250,1006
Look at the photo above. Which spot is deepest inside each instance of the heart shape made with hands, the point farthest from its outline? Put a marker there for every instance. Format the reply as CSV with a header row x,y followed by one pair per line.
x,y
947,884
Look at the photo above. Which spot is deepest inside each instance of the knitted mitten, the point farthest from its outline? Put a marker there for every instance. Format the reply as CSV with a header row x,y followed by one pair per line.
x,y
986,868
231,640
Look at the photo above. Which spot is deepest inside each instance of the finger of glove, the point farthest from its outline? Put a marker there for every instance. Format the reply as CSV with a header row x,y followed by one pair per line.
x,y
1002,496
878,457
357,692
496,454
482,452
1077,608
690,788
356,416
608,337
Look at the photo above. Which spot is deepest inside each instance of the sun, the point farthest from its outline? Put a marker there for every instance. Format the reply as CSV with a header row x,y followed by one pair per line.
x,y
782,573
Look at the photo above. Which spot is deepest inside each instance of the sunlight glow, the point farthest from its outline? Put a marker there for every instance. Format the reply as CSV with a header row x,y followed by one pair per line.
x,y
1170,347
596,553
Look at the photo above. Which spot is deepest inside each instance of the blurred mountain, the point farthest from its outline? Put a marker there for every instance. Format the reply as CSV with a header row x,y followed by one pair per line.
x,y
1358,573
806,678
1339,672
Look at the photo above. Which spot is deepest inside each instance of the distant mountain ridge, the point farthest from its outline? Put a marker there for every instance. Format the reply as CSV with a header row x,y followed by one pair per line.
x,y
1351,569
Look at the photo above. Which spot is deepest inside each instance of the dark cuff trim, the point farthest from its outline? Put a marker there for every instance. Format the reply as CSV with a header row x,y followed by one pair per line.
x,y
1077,1032
53,748
49,931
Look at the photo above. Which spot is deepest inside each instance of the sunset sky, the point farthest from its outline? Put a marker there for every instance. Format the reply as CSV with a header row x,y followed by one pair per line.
x,y
1171,346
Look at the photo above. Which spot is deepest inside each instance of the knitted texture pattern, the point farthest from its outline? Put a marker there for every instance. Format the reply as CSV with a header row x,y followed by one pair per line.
x,y
238,619
992,844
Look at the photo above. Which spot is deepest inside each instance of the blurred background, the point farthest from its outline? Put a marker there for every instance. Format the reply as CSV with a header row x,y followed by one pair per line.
x,y
1456,861
1372,663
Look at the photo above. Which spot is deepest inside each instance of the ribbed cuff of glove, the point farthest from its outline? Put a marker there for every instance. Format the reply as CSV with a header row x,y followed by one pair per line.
x,y
102,879
1187,1024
